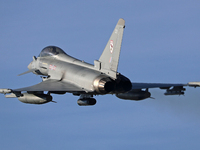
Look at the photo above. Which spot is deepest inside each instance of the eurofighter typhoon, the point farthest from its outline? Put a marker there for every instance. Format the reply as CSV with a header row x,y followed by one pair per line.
x,y
62,73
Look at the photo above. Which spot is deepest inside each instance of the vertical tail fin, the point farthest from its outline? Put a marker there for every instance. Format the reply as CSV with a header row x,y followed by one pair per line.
x,y
110,57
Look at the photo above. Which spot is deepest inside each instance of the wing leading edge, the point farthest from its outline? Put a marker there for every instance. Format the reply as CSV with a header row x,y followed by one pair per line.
x,y
51,85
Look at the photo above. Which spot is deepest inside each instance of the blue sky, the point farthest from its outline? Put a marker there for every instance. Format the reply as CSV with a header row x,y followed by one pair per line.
x,y
160,44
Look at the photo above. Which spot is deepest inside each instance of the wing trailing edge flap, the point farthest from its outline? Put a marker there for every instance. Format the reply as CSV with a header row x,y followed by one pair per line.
x,y
51,85
155,85
171,89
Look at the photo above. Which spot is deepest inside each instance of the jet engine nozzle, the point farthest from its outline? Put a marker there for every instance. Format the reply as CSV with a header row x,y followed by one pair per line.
x,y
103,84
123,84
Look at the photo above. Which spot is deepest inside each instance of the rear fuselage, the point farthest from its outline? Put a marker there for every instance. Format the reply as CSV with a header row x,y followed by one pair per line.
x,y
86,76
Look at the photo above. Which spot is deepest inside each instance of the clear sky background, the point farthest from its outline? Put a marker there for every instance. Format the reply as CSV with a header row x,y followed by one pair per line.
x,y
161,44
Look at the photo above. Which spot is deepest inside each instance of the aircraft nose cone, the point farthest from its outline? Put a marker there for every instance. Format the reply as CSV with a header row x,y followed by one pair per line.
x,y
30,66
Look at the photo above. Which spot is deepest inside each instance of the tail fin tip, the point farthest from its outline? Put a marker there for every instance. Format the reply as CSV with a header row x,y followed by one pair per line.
x,y
121,22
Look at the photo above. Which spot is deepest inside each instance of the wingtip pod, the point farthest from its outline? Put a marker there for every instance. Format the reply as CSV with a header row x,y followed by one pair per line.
x,y
121,22
194,84
5,91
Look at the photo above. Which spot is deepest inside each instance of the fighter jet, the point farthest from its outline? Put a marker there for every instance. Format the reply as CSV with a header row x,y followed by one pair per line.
x,y
62,73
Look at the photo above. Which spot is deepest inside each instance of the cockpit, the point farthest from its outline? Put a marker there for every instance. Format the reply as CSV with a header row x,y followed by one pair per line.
x,y
51,51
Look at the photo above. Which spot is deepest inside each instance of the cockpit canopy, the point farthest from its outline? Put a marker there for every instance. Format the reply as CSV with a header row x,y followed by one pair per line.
x,y
51,51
